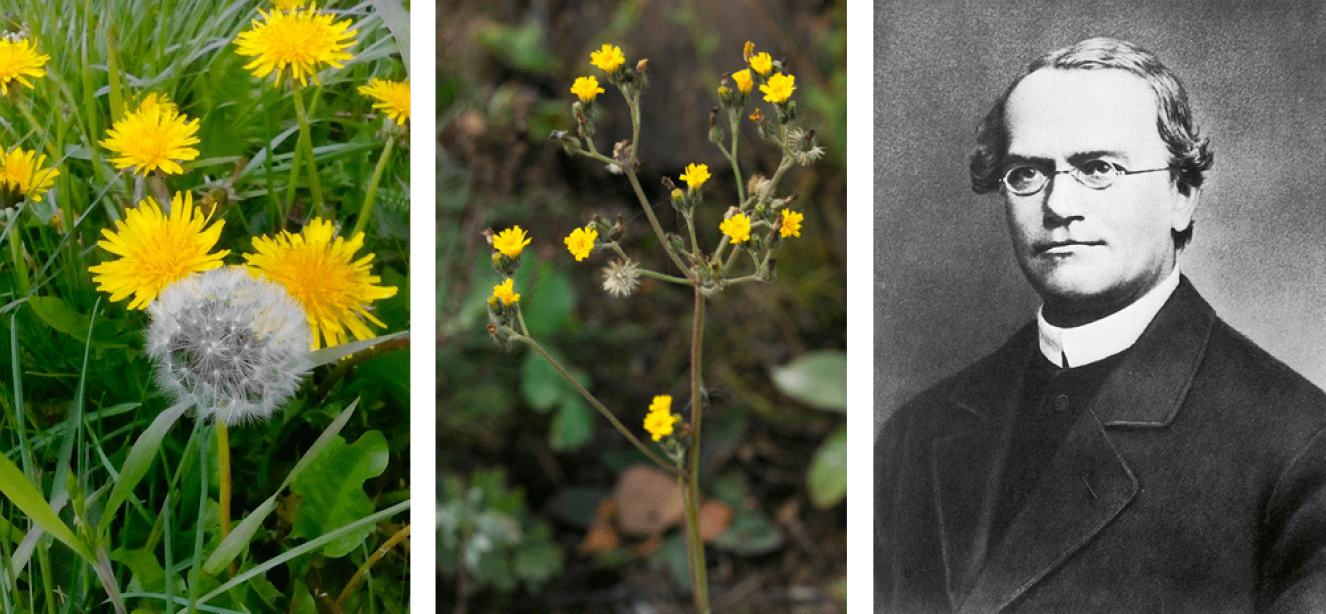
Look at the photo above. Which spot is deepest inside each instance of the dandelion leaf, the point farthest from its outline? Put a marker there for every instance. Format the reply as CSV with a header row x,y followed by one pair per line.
x,y
332,491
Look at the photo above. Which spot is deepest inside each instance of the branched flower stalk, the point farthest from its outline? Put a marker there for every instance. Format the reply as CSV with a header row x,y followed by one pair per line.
x,y
755,225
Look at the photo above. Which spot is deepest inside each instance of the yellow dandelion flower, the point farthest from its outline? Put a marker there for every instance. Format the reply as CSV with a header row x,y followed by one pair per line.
x,y
21,174
318,269
743,80
505,292
511,241
18,61
581,242
587,88
156,250
737,227
695,175
779,88
791,223
393,98
761,62
154,137
608,58
298,43
287,5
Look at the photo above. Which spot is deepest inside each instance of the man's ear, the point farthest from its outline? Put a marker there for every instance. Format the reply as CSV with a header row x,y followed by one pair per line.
x,y
1185,208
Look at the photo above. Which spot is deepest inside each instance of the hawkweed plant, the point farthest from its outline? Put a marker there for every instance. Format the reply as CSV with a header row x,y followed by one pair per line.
x,y
752,226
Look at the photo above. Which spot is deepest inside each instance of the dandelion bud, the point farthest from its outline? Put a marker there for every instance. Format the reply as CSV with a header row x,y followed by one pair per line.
x,y
678,198
234,345
642,66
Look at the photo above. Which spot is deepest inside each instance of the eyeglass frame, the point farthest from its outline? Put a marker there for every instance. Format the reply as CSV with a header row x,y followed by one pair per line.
x,y
1077,173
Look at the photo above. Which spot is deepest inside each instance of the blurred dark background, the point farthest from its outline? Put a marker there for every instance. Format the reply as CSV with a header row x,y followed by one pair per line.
x,y
948,290
522,461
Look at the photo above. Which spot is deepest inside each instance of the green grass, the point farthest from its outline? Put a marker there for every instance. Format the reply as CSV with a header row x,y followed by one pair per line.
x,y
131,509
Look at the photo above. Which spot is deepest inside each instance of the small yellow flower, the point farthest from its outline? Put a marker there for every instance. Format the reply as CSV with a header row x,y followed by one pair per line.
x,y
156,250
695,175
779,88
662,402
297,42
737,227
581,242
21,174
761,62
18,61
505,293
154,137
318,269
393,98
791,223
587,88
743,80
608,59
660,421
511,241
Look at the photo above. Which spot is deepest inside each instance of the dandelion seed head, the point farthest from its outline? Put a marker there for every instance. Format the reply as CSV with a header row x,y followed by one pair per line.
x,y
235,345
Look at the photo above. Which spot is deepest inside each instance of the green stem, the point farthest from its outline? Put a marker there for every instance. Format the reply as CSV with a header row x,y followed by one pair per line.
x,y
595,402
367,209
653,221
700,588
306,140
224,488
690,227
16,250
662,277
734,121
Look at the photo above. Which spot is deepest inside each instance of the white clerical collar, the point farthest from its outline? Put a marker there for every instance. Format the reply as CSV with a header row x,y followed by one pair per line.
x,y
1088,343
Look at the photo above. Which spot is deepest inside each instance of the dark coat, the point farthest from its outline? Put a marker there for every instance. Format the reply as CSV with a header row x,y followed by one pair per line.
x,y
1195,482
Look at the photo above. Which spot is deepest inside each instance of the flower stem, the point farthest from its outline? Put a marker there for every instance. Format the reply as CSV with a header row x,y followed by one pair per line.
x,y
306,140
224,488
367,209
16,249
595,402
662,277
700,583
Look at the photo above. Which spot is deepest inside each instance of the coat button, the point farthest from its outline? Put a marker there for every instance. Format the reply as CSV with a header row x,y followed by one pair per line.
x,y
1061,402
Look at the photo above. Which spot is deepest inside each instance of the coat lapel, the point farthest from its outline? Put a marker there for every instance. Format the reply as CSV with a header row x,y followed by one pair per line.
x,y
967,463
1088,482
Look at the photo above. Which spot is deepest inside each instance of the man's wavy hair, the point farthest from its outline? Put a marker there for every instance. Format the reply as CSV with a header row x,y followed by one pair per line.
x,y
1190,153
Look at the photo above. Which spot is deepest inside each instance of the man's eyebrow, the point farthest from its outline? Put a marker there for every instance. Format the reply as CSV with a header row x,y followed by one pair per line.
x,y
1079,159
1013,159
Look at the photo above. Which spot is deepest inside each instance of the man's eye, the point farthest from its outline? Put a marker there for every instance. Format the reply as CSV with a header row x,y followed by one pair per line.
x,y
1097,168
1020,176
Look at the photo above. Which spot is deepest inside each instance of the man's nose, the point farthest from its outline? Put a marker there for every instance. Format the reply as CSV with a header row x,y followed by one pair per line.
x,y
1064,199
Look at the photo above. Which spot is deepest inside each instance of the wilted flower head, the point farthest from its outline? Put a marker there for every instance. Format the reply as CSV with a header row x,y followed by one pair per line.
x,y
18,61
803,147
621,278
235,345
297,43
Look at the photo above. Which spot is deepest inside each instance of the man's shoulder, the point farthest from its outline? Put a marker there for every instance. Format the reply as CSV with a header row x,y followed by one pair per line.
x,y
992,374
1240,368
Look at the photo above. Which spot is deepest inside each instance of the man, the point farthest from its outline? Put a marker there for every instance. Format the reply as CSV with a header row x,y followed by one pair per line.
x,y
1128,451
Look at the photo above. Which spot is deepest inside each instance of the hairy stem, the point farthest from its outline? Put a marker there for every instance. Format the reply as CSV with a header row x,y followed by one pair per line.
x,y
595,402
700,586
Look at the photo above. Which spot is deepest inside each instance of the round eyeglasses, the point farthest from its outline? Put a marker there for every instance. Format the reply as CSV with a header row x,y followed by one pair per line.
x,y
1095,174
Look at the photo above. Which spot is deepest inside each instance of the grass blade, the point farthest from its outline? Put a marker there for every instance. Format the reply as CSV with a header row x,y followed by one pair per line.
x,y
139,461
18,489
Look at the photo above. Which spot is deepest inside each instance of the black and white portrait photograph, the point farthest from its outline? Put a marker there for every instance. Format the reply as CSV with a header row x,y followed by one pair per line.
x,y
1099,307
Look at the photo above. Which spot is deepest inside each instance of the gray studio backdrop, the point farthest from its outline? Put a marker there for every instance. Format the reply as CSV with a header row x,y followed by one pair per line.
x,y
947,288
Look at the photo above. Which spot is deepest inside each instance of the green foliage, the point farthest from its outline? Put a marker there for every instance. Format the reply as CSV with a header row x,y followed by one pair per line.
x,y
818,379
332,490
93,453
827,478
486,533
